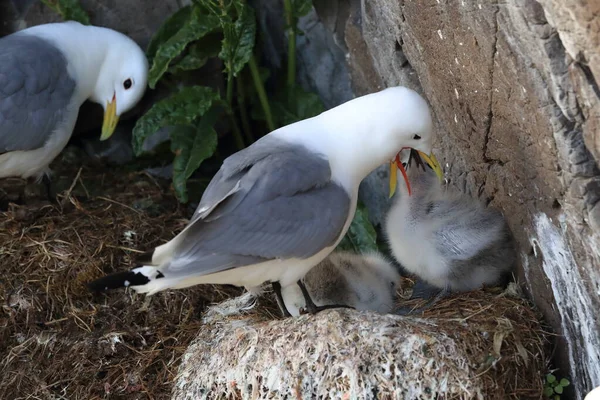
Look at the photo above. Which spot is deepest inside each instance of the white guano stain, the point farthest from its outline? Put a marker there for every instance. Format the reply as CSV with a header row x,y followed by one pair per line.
x,y
575,307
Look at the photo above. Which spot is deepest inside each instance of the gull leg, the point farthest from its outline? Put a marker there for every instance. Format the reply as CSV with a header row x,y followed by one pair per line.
x,y
47,182
277,289
311,307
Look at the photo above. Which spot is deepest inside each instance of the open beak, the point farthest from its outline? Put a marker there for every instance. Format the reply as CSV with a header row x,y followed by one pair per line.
x,y
110,119
397,164
433,163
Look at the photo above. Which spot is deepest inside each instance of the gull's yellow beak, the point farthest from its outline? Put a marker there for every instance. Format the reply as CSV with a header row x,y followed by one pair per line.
x,y
110,119
397,164
433,163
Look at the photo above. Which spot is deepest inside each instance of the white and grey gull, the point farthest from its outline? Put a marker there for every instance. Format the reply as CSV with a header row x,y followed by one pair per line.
x,y
46,73
279,207
448,239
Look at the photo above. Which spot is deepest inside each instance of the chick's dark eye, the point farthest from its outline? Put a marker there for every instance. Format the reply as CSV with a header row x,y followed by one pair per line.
x,y
127,84
416,137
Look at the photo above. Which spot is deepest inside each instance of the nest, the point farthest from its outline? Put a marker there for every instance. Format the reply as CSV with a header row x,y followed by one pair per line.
x,y
59,341
481,345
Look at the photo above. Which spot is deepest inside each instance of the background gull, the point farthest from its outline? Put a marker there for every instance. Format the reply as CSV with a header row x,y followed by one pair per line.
x,y
447,238
46,73
364,282
277,208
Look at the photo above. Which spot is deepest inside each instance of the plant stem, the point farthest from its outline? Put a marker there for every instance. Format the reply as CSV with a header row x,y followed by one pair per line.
x,y
243,111
262,95
237,134
291,72
230,87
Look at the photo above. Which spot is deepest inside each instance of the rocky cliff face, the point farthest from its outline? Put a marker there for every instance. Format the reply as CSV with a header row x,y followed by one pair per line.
x,y
513,87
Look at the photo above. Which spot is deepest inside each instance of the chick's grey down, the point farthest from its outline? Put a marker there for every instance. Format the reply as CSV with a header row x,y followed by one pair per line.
x,y
447,238
363,282
277,208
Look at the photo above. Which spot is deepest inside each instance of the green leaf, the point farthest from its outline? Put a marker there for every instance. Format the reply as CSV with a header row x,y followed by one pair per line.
x,y
361,236
550,378
548,392
192,145
304,105
564,382
181,108
198,26
170,27
301,7
198,54
558,389
239,37
69,10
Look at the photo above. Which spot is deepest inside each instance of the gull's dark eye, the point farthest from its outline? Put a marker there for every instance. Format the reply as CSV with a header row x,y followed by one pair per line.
x,y
416,137
127,84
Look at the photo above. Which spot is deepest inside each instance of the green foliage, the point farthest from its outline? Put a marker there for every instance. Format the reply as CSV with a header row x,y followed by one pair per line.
x,y
182,108
239,33
192,144
361,236
553,388
198,54
69,10
301,7
303,105
196,27
183,44
170,27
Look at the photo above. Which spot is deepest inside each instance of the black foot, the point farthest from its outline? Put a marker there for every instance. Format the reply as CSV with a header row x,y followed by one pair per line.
x,y
50,193
419,310
311,307
423,290
279,297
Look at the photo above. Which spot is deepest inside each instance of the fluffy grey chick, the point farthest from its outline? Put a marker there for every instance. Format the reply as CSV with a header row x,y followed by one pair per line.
x,y
363,282
446,238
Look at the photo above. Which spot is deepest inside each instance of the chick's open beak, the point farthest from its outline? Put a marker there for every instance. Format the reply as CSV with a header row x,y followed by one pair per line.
x,y
397,164
433,163
110,119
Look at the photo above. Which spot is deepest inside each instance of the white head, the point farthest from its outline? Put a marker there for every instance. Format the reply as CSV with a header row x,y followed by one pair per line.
x,y
122,79
370,130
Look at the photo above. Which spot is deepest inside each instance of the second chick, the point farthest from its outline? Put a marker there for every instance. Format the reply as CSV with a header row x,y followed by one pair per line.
x,y
363,282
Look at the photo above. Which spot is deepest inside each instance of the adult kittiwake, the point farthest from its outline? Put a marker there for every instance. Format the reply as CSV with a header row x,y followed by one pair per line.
x,y
279,207
46,73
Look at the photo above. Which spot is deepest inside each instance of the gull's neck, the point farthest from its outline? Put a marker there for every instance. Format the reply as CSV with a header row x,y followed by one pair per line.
x,y
353,146
85,48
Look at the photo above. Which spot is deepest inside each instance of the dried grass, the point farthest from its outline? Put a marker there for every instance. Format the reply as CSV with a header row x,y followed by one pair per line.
x,y
59,341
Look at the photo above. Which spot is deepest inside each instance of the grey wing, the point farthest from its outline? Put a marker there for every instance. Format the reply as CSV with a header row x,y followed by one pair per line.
x,y
468,228
286,207
35,91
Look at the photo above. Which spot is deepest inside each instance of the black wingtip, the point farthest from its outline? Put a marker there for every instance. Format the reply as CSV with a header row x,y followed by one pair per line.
x,y
145,258
118,280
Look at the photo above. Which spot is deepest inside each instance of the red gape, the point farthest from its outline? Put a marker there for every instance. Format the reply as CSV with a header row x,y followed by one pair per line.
x,y
401,167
